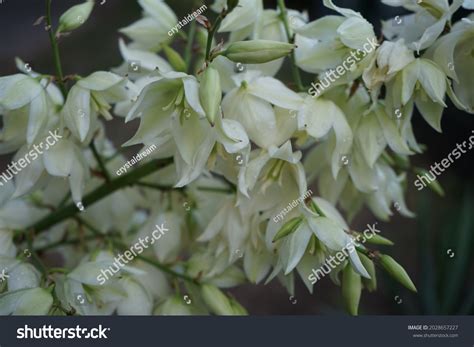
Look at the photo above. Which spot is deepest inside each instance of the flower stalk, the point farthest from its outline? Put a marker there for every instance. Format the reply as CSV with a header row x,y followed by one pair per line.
x,y
291,39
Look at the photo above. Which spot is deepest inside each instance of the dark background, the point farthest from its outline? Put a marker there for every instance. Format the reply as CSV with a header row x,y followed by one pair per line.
x,y
445,284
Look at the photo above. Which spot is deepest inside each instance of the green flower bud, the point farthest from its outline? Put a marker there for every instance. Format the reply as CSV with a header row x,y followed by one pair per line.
x,y
370,284
288,228
257,51
433,185
173,306
75,16
216,300
396,271
380,240
210,93
239,310
174,59
351,289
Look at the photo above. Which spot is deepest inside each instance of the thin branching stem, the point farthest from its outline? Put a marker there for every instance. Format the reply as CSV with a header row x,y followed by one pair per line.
x,y
99,193
291,39
54,46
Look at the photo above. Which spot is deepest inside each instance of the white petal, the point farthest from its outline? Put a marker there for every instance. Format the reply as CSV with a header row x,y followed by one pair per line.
x,y
371,138
59,158
23,276
88,272
100,80
433,81
294,246
138,302
355,32
431,111
323,29
344,11
77,112
191,91
160,11
328,232
18,90
148,61
391,132
275,92
331,212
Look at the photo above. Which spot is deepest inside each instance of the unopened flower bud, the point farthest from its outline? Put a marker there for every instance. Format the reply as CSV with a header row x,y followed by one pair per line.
x,y
74,17
210,93
257,51
288,228
216,300
369,283
175,59
396,271
351,289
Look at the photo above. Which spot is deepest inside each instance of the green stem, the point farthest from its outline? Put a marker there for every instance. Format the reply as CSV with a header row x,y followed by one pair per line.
x,y
100,193
161,187
189,46
291,39
66,242
54,45
213,31
99,160
34,256
171,188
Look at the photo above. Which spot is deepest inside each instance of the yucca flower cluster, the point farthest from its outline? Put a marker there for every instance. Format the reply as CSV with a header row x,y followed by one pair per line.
x,y
234,146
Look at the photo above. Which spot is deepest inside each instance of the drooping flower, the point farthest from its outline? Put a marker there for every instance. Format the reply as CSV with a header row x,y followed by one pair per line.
x,y
422,28
453,54
332,39
27,98
153,29
92,96
263,106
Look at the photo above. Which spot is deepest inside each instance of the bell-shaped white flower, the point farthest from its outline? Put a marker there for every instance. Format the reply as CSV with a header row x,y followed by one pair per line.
x,y
91,96
390,58
450,53
65,159
30,301
263,105
153,29
420,29
27,97
421,81
230,225
139,63
173,119
243,20
331,39
272,162
23,276
318,117
137,301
